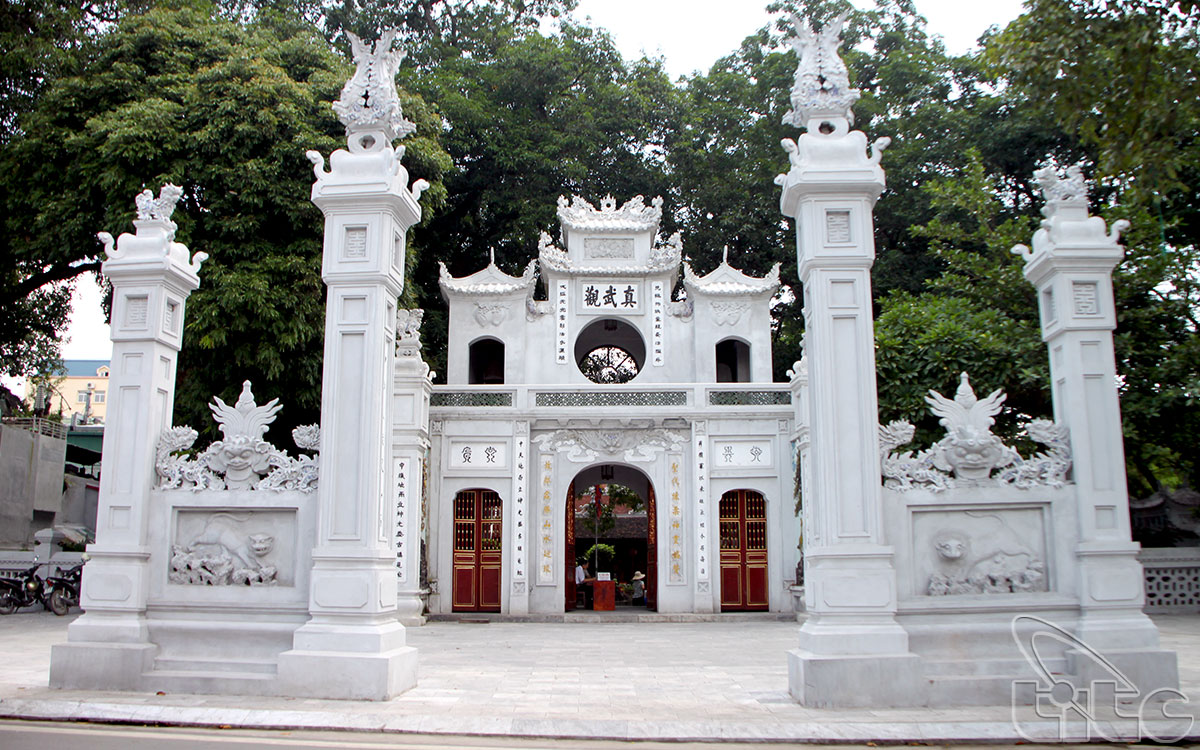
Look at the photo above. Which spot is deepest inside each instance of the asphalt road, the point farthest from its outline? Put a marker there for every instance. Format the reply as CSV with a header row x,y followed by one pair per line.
x,y
26,735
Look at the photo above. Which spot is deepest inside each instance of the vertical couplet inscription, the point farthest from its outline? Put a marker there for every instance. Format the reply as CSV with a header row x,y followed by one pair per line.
x,y
546,568
401,470
658,310
675,522
561,322
701,509
519,510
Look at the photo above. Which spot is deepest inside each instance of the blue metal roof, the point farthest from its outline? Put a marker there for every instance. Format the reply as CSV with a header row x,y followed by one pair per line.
x,y
83,368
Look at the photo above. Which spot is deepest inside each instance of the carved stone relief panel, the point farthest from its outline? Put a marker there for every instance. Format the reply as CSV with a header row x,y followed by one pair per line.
x,y
980,551
729,313
478,454
608,247
741,454
233,547
491,313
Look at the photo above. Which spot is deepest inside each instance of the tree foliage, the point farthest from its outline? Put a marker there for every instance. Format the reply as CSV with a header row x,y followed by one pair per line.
x,y
1123,79
518,103
226,110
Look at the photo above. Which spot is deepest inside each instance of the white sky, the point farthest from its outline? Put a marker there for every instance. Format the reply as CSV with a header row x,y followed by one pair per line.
x,y
689,34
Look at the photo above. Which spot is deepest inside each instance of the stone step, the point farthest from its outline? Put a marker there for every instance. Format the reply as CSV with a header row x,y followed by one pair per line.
x,y
591,617
208,682
239,666
975,667
977,690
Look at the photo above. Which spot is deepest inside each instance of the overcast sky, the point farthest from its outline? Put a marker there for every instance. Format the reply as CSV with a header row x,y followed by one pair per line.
x,y
689,34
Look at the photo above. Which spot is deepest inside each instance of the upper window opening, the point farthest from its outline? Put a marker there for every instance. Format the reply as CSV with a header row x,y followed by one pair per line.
x,y
486,362
610,351
733,361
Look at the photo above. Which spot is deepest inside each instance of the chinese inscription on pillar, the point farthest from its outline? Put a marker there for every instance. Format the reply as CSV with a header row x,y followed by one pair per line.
x,y
401,473
561,323
546,566
702,516
522,444
658,309
675,521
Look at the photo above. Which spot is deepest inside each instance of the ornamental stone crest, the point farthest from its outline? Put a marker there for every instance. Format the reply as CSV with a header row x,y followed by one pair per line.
x,y
408,332
970,454
369,100
242,460
822,84
633,445
1056,188
635,215
161,208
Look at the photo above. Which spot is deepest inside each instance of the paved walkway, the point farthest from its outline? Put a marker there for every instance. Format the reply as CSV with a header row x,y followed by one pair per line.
x,y
723,680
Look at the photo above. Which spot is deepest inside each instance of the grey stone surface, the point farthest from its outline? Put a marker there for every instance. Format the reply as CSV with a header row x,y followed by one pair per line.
x,y
724,681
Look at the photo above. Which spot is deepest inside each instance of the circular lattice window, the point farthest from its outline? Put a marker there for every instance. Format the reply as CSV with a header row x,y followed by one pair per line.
x,y
610,351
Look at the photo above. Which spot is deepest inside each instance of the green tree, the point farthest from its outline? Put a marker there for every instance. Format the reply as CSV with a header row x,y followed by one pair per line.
x,y
1123,79
226,110
979,315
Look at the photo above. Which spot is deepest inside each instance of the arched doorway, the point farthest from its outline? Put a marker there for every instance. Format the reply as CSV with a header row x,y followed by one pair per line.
x,y
478,530
744,581
629,538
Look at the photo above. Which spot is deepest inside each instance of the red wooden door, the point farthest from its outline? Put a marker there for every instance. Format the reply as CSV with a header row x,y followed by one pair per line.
x,y
651,552
569,563
743,551
478,529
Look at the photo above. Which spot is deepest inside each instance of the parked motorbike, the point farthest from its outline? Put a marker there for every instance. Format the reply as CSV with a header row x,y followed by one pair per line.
x,y
25,590
64,590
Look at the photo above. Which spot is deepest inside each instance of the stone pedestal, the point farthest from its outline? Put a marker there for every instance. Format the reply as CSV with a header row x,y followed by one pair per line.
x,y
1071,265
152,276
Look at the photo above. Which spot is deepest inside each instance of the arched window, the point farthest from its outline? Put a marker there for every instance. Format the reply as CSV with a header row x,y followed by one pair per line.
x,y
486,362
733,361
610,351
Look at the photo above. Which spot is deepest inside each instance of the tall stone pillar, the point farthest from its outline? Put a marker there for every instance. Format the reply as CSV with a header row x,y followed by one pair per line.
x,y
411,388
353,646
1071,266
852,650
152,276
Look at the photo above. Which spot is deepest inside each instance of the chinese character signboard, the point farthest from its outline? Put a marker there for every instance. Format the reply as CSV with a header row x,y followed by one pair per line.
x,y
610,295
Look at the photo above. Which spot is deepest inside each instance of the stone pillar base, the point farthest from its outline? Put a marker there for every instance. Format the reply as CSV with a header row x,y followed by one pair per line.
x,y
410,609
100,666
819,681
853,635
347,675
1149,671
348,661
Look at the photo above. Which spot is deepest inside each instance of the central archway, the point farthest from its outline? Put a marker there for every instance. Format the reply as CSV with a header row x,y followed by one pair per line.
x,y
627,532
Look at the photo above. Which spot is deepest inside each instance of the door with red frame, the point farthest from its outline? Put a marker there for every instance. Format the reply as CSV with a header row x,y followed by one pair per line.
x,y
651,552
478,529
744,582
571,589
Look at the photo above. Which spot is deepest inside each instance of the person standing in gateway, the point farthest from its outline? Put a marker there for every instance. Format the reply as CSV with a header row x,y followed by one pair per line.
x,y
584,581
639,587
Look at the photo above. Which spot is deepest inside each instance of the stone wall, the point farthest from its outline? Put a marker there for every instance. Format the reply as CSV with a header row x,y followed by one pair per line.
x,y
31,473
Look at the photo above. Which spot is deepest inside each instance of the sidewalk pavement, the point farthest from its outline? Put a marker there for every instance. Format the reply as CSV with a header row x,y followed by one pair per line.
x,y
719,681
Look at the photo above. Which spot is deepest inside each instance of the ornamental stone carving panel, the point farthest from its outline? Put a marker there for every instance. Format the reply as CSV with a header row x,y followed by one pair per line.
x,y
233,548
608,247
984,551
